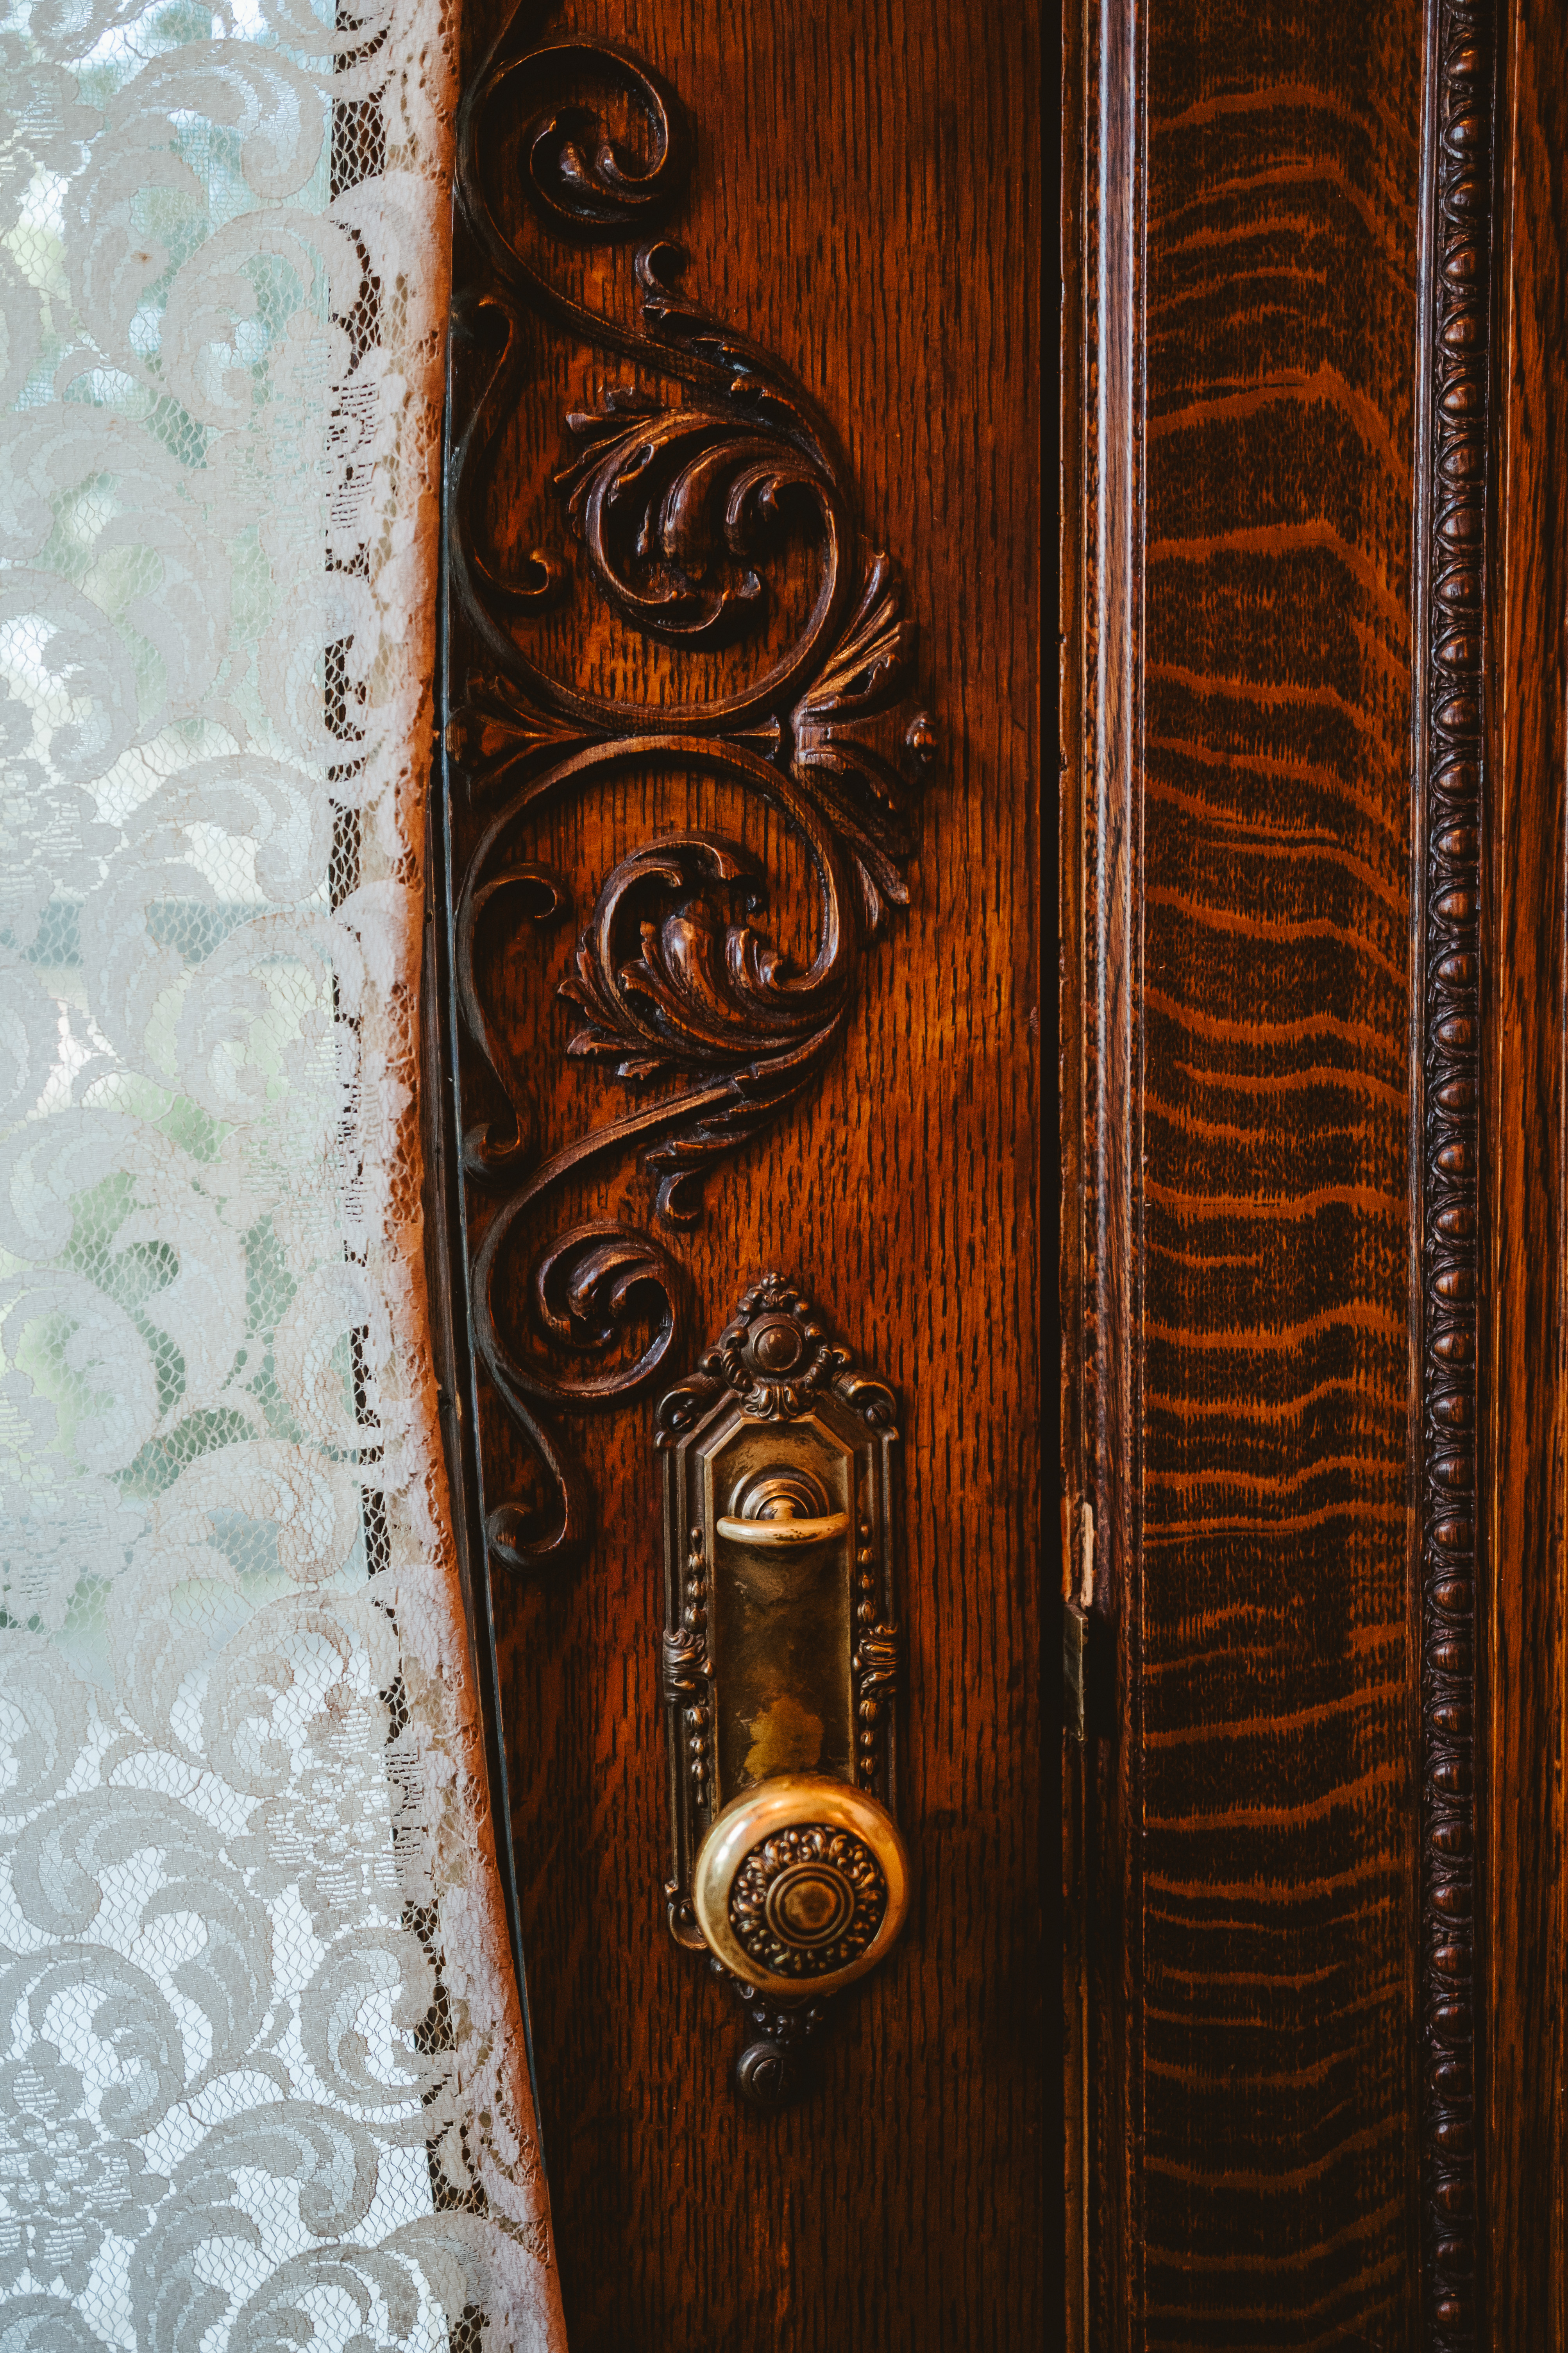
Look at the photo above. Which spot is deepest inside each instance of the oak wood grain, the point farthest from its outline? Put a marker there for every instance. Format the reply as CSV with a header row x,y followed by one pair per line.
x,y
1103,707
864,199
1524,1126
1257,2122
1077,1759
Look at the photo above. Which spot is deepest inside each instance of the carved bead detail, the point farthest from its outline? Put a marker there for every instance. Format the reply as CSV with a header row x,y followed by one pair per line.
x,y
1450,1072
687,1673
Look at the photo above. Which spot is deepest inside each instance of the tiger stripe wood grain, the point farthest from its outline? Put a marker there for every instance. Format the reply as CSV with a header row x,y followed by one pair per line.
x,y
1257,2101
1327,1850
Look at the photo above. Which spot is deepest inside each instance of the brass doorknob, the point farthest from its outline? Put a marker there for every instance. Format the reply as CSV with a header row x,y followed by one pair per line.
x,y
780,1648
800,1884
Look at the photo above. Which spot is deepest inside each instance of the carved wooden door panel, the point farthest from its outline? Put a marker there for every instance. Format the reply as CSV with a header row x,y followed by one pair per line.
x,y
731,1073
1314,721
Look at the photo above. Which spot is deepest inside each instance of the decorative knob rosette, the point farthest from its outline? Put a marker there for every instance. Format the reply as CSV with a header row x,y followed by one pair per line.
x,y
800,1884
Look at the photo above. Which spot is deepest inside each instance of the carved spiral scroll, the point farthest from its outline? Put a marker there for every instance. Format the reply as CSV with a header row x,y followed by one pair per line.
x,y
677,510
581,181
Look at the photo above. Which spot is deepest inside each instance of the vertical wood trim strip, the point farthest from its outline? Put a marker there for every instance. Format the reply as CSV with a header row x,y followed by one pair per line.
x,y
1525,1457
1077,2141
1113,219
1449,799
1178,2250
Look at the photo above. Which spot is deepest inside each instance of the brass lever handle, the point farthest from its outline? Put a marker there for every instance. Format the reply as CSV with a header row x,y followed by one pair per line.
x,y
785,1503
785,1531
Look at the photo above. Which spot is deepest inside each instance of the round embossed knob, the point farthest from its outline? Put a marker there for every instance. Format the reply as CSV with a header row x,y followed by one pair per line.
x,y
800,1884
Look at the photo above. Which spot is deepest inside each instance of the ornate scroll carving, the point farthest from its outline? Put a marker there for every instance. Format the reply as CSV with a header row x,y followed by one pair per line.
x,y
676,508
1450,1022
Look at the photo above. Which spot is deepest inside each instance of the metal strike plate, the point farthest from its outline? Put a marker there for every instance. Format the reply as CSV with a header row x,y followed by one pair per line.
x,y
780,1658
1086,1674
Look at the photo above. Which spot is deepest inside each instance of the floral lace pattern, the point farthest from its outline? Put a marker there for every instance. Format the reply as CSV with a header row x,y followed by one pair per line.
x,y
261,2062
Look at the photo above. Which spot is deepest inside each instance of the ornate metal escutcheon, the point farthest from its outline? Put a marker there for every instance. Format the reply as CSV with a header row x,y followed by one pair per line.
x,y
780,1666
698,512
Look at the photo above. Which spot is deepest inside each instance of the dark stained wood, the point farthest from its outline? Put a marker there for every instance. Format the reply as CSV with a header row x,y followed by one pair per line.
x,y
1100,407
1452,442
1249,420
1077,1760
1316,1869
864,205
1522,1940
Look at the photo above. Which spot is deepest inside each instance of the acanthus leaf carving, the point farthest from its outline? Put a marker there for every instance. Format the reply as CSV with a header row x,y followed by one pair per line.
x,y
678,509
676,489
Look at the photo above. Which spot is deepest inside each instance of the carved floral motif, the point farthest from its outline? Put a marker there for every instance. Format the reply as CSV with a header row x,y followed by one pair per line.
x,y
809,1901
677,509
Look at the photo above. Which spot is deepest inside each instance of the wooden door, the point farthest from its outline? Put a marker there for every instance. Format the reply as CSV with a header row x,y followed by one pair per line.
x,y
1313,698
766,275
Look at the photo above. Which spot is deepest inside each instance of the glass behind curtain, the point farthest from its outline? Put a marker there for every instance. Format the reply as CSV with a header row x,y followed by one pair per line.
x,y
260,2076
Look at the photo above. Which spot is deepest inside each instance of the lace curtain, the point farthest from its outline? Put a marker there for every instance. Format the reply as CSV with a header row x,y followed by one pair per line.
x,y
260,2074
